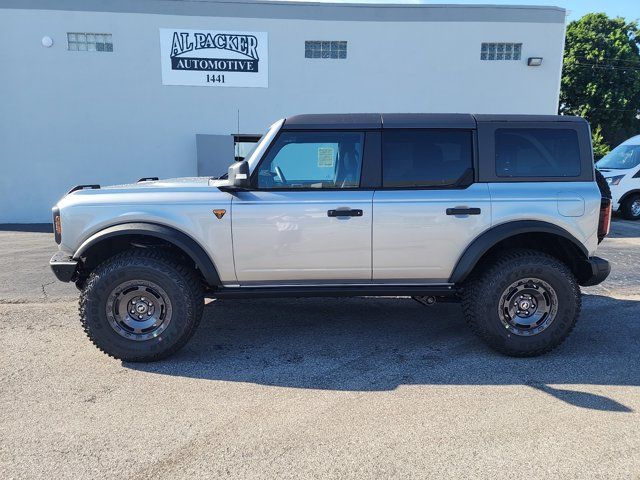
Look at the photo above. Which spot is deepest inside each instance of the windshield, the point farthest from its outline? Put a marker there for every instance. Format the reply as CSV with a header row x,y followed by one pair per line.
x,y
621,158
254,156
258,148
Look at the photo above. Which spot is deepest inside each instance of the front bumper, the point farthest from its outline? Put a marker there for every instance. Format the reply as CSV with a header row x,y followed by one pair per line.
x,y
594,271
64,266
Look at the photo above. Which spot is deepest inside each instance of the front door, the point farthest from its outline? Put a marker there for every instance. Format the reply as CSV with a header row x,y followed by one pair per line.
x,y
428,209
307,221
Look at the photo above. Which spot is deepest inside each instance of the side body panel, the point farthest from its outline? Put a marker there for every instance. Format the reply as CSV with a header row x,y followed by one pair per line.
x,y
85,213
573,206
287,237
413,237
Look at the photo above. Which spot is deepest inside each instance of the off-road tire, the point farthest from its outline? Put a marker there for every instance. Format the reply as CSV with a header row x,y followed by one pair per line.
x,y
180,282
626,210
482,292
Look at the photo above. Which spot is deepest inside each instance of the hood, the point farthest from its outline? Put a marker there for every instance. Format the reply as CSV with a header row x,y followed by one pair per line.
x,y
168,184
171,190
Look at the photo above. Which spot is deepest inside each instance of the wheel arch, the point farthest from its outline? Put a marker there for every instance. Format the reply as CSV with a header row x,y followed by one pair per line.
x,y
628,194
126,233
539,235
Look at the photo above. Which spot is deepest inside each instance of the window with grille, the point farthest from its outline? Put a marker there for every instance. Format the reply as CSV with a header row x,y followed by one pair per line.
x,y
325,49
501,51
89,42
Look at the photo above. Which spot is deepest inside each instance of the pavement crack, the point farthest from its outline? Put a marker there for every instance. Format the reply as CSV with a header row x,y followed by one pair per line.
x,y
44,291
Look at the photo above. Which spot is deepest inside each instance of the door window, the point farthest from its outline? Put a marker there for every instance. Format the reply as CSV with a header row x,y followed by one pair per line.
x,y
425,158
313,160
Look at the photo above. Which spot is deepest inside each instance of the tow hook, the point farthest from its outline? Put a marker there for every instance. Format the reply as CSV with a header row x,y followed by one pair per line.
x,y
429,301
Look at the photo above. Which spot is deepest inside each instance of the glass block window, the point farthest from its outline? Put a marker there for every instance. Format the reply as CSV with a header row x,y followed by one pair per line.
x,y
89,42
325,49
501,51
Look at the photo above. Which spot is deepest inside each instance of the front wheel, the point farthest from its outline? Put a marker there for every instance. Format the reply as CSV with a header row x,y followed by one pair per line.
x,y
524,303
630,208
141,305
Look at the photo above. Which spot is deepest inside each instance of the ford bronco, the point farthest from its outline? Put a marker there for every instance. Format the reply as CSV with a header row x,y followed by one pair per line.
x,y
500,212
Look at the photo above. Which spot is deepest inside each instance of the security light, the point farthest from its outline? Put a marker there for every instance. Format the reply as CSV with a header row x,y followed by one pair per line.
x,y
534,61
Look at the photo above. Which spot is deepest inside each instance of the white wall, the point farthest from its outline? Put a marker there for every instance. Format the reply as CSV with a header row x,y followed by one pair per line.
x,y
87,117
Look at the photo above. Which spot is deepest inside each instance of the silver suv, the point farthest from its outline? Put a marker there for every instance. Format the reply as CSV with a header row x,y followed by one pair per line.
x,y
500,212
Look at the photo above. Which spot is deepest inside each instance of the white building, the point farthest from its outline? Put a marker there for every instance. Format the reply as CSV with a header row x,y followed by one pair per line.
x,y
106,91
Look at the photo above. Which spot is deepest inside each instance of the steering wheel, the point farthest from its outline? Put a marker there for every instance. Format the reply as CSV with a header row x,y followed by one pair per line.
x,y
280,175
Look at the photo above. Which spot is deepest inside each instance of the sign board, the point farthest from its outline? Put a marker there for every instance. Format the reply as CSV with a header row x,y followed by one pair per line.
x,y
214,58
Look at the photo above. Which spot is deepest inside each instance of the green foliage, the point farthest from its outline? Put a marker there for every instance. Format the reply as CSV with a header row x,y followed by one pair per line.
x,y
601,76
600,148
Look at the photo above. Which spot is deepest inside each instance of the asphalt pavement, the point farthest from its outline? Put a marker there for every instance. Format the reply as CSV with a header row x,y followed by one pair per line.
x,y
317,388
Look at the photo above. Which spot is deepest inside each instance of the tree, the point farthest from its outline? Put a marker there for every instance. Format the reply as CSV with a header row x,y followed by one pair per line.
x,y
601,76
600,148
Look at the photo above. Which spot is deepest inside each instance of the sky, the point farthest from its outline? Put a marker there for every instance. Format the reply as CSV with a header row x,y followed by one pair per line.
x,y
629,9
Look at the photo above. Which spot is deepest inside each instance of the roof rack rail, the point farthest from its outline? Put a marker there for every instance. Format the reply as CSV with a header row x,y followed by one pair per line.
x,y
148,179
83,187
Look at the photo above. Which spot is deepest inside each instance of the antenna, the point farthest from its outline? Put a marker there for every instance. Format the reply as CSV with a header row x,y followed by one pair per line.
x,y
237,139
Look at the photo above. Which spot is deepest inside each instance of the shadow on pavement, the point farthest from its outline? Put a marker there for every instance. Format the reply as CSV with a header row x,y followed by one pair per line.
x,y
26,227
379,344
584,399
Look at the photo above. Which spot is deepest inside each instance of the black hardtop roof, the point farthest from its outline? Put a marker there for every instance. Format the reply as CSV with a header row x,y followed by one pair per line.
x,y
357,121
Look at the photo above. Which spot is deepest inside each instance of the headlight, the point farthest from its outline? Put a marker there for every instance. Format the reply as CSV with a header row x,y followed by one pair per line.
x,y
614,180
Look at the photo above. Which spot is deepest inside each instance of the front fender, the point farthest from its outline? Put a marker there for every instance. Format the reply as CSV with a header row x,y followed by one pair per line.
x,y
169,234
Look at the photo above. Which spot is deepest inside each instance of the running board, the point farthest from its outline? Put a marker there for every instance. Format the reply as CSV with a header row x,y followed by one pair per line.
x,y
334,291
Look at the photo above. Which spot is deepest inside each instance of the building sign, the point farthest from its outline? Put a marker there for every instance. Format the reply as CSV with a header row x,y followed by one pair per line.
x,y
214,58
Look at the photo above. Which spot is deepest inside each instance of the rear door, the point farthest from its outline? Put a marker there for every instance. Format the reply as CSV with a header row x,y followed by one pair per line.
x,y
307,221
429,209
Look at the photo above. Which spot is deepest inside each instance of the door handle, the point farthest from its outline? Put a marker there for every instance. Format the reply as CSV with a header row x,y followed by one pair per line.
x,y
344,213
463,211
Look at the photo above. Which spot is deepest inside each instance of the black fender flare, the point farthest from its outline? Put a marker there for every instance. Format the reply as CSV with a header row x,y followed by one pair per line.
x,y
489,238
169,234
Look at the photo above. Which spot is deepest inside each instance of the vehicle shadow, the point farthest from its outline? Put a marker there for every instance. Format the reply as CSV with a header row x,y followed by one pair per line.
x,y
26,227
378,344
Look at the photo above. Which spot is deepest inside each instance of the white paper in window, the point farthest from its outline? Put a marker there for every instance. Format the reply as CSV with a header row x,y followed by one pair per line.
x,y
325,157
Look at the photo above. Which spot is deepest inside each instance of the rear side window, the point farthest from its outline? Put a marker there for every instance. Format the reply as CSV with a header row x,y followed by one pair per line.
x,y
533,152
425,158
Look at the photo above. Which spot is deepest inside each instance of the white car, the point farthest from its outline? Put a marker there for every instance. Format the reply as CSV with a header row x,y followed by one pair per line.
x,y
621,168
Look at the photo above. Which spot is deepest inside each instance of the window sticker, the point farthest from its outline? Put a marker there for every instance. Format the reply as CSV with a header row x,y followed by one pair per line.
x,y
325,157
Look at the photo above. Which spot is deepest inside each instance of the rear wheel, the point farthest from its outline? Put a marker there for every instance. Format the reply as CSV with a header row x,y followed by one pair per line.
x,y
630,208
524,303
141,305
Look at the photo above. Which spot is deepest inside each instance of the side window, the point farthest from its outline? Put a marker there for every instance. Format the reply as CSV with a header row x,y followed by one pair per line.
x,y
537,152
425,158
313,160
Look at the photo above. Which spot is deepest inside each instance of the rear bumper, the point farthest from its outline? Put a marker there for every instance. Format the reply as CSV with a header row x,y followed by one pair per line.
x,y
594,271
64,266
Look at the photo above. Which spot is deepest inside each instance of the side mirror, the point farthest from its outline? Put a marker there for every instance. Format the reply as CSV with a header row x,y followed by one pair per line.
x,y
238,176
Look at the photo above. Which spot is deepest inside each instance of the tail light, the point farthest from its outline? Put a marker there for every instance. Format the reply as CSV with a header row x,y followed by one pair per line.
x,y
605,218
57,226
